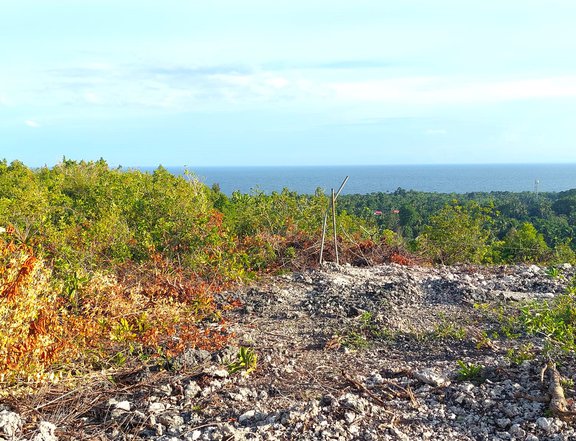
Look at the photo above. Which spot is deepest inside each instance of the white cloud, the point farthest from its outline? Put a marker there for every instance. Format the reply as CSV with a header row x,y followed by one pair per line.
x,y
441,90
178,88
436,132
277,82
92,98
201,87
31,123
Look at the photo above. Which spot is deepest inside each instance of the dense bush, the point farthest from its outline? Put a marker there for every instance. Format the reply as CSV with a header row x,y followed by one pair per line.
x,y
456,234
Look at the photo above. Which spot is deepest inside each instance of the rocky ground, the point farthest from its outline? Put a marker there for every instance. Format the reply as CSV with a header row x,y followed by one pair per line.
x,y
344,353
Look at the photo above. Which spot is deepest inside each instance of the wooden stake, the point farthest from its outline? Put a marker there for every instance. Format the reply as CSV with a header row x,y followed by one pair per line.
x,y
323,235
342,186
334,226
324,226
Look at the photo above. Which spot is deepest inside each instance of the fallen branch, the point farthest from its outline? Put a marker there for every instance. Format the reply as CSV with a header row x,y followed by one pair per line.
x,y
558,403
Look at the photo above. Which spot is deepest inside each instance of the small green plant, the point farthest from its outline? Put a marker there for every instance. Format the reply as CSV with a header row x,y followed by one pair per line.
x,y
123,331
506,318
363,331
355,340
553,272
554,320
469,371
522,354
567,383
72,287
119,359
483,341
445,329
246,361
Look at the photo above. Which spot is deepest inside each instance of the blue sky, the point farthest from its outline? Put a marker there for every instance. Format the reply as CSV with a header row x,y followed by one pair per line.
x,y
184,82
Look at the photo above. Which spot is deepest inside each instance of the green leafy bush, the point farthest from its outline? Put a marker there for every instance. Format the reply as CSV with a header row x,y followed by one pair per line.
x,y
457,234
524,244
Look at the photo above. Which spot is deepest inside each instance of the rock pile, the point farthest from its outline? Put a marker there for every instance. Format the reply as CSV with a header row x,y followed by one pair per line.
x,y
309,385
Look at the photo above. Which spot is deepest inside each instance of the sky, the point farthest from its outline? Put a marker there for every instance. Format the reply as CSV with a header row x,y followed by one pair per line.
x,y
314,82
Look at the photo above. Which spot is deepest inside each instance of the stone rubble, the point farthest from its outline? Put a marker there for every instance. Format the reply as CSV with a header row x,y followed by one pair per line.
x,y
309,386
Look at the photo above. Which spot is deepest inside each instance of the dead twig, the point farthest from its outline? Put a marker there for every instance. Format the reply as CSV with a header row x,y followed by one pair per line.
x,y
203,426
413,399
542,372
528,397
364,389
394,390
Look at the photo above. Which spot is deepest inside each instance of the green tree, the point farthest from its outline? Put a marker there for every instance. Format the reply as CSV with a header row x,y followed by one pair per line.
x,y
525,244
457,234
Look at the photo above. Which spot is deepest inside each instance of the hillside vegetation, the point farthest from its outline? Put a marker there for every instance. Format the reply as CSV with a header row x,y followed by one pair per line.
x,y
100,266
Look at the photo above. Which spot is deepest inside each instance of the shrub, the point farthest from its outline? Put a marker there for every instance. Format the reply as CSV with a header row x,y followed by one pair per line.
x,y
93,320
524,244
31,337
456,234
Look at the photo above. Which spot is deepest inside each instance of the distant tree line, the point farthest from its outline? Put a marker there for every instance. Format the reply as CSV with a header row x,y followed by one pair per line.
x,y
495,227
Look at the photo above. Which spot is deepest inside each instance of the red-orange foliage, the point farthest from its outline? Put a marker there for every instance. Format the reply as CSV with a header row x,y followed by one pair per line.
x,y
31,337
401,259
152,309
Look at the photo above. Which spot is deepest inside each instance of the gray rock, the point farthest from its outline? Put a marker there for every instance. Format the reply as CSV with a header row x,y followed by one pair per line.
x,y
534,269
46,430
156,407
193,357
123,405
10,423
431,377
195,435
399,434
192,390
160,429
171,421
546,424
220,373
349,417
511,410
246,416
165,389
517,431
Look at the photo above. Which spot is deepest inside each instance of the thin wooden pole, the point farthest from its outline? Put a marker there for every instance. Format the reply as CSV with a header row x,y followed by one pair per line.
x,y
323,235
334,226
341,187
324,225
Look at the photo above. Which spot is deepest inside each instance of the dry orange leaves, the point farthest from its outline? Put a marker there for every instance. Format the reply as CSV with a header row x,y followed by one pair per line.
x,y
152,310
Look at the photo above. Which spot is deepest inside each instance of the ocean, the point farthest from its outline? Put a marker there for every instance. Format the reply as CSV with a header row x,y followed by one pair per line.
x,y
383,178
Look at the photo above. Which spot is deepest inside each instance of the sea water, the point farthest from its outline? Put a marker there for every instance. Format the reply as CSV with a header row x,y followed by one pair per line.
x,y
384,178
